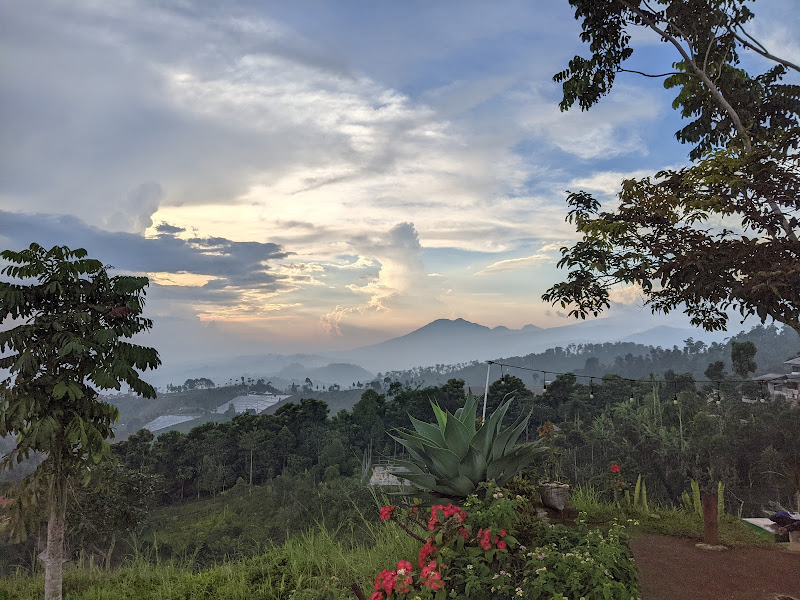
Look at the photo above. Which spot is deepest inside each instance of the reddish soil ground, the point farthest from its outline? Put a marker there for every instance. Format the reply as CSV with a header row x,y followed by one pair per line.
x,y
675,569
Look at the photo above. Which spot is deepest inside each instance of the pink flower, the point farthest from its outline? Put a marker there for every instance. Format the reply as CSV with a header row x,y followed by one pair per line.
x,y
501,545
464,533
376,596
386,512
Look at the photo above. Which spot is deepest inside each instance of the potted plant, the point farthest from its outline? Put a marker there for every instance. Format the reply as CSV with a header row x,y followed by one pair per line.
x,y
554,491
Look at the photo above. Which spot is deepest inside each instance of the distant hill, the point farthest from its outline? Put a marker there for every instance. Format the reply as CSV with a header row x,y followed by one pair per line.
x,y
446,341
342,374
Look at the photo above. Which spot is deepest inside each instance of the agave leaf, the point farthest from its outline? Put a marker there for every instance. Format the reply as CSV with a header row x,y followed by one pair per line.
x,y
507,466
432,432
457,437
414,446
468,414
424,481
507,438
441,416
416,439
483,440
496,418
456,486
473,465
442,462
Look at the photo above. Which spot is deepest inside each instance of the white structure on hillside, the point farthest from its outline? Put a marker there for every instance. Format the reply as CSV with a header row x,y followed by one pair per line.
x,y
165,421
254,403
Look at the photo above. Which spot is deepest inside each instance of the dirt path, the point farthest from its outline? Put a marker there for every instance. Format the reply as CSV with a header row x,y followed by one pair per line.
x,y
674,569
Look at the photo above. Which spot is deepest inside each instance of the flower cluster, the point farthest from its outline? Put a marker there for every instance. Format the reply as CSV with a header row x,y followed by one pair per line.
x,y
403,580
450,535
399,580
387,511
451,510
486,540
615,479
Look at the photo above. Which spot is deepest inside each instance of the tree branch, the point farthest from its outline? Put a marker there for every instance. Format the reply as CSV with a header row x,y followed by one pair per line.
x,y
763,52
621,70
716,93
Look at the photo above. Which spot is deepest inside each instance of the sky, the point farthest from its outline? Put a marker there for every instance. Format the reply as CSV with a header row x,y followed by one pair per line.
x,y
317,175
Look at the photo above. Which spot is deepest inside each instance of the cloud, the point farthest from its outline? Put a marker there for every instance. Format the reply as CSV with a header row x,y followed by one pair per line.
x,y
515,264
613,128
628,295
400,283
208,269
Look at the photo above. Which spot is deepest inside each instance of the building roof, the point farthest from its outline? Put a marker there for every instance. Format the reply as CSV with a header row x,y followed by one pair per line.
x,y
165,421
770,377
253,402
793,361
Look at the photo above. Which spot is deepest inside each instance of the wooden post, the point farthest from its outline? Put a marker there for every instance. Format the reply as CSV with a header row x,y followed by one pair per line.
x,y
711,531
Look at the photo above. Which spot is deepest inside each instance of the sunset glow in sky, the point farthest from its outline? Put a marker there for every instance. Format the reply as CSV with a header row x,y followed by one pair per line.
x,y
308,175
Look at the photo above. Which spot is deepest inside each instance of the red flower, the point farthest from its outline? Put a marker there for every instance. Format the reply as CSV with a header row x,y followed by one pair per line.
x,y
386,580
503,532
403,583
405,567
485,538
464,533
615,468
430,577
376,596
619,483
426,551
501,545
386,512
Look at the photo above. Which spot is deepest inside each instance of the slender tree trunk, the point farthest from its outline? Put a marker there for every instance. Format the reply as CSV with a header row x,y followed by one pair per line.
x,y
53,556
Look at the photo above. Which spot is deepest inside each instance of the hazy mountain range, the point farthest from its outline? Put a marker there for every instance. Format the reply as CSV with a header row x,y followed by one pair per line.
x,y
443,341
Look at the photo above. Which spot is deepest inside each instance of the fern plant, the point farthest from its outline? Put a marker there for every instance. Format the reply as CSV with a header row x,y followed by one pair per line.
x,y
453,456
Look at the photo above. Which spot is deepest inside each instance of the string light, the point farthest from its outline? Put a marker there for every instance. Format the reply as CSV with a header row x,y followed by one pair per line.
x,y
591,377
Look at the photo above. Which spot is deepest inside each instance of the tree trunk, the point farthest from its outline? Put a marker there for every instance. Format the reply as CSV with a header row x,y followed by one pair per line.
x,y
710,523
53,556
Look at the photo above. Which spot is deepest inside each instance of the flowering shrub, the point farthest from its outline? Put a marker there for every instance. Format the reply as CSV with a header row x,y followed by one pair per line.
x,y
472,551
577,562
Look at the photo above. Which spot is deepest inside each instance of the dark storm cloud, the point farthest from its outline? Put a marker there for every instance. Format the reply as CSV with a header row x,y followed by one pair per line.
x,y
236,264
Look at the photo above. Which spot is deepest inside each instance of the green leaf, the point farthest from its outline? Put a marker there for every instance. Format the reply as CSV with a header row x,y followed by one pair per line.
x,y
457,437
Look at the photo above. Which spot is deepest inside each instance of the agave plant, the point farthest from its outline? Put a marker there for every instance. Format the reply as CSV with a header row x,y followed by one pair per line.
x,y
453,456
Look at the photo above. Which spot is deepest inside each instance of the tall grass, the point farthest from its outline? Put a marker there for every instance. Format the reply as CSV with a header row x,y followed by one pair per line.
x,y
313,566
665,520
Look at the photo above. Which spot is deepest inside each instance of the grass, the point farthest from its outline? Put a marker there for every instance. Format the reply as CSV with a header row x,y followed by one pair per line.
x,y
669,521
312,566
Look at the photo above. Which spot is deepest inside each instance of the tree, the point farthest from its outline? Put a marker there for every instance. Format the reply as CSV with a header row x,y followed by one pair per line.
x,y
70,321
742,355
723,232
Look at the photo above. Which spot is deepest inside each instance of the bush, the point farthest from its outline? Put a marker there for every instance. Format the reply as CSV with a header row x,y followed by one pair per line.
x,y
491,547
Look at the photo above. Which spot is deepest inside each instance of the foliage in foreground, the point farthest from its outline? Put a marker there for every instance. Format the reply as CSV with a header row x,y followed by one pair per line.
x,y
311,566
671,521
455,455
508,554
493,546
